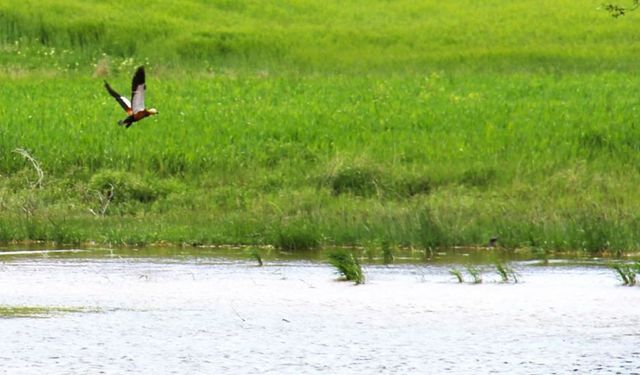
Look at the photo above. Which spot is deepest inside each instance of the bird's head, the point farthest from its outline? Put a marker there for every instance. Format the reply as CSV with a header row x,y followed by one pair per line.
x,y
153,111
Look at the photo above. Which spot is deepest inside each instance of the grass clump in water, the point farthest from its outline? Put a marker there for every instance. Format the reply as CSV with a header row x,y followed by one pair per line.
x,y
458,274
475,273
506,272
347,265
255,254
627,273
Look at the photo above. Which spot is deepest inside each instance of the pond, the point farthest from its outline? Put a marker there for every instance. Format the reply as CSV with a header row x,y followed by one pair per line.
x,y
214,312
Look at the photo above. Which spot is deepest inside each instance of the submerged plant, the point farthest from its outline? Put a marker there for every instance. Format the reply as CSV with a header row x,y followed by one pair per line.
x,y
255,254
502,271
627,273
542,254
347,265
506,273
475,272
458,274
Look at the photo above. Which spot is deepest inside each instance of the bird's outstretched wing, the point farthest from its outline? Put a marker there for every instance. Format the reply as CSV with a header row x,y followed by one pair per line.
x,y
137,90
123,101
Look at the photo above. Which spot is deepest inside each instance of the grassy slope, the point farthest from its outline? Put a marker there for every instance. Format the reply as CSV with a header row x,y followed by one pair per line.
x,y
304,123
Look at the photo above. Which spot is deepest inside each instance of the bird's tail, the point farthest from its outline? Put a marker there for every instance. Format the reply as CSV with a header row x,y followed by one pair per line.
x,y
127,121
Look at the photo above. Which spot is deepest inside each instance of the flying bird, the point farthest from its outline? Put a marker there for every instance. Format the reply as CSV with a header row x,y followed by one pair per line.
x,y
134,108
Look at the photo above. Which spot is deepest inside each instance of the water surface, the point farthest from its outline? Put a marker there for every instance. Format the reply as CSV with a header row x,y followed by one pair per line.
x,y
184,313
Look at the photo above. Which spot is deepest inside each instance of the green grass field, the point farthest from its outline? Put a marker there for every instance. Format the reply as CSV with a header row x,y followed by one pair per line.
x,y
302,124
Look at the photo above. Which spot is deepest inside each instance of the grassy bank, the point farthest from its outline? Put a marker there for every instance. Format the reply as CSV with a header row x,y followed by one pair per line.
x,y
417,124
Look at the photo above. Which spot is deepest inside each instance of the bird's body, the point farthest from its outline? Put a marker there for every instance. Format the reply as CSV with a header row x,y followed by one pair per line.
x,y
134,108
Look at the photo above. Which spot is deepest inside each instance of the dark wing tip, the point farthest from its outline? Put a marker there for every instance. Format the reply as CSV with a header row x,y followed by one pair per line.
x,y
138,78
140,71
108,87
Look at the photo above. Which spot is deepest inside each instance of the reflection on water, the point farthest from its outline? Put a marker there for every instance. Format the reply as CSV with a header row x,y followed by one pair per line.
x,y
462,256
212,311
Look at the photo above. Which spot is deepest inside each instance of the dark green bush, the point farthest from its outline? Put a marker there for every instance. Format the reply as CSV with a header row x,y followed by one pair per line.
x,y
478,177
125,187
356,180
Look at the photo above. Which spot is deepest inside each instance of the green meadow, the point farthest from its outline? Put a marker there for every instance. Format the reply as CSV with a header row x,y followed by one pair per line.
x,y
305,124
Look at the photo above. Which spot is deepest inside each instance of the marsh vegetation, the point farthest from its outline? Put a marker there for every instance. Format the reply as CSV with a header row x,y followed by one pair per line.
x,y
38,311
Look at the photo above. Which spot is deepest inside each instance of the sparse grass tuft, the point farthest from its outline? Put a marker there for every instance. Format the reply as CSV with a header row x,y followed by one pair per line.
x,y
255,254
475,273
627,273
458,274
506,272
